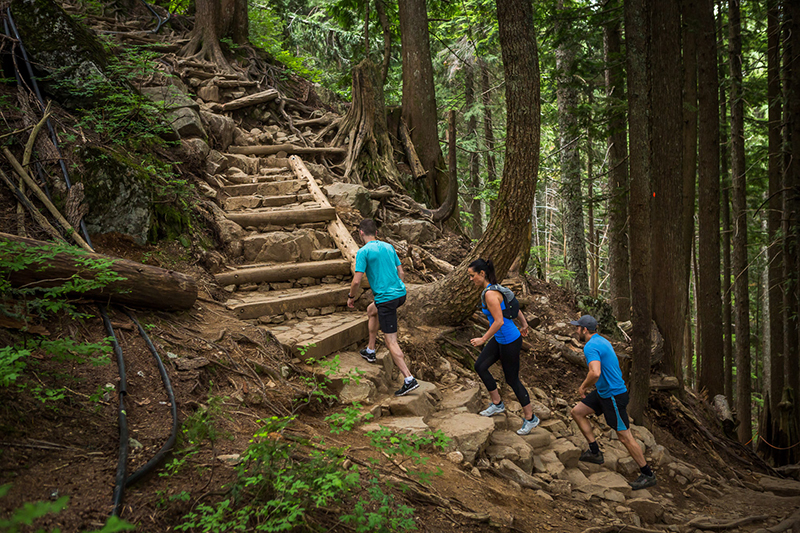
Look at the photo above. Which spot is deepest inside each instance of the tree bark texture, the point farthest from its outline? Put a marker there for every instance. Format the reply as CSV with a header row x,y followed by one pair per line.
x,y
668,216
454,298
419,95
143,285
775,207
387,39
709,298
488,123
739,264
215,19
791,214
637,36
475,204
618,173
727,318
568,133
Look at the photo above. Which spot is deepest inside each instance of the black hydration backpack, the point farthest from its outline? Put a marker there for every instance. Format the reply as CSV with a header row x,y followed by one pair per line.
x,y
512,304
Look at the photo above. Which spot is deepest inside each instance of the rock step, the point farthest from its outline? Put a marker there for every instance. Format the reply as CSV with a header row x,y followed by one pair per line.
x,y
318,337
283,216
284,272
271,188
242,178
287,301
237,203
353,379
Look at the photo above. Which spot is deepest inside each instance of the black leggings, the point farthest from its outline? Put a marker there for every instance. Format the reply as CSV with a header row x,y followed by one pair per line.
x,y
508,355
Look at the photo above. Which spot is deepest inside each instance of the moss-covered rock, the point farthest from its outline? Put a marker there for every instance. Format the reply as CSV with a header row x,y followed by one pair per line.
x,y
118,192
67,56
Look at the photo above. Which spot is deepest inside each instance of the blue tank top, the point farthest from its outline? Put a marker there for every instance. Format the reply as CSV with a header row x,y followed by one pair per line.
x,y
508,332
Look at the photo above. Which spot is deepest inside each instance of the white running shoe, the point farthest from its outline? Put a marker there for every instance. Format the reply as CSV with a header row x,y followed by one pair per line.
x,y
494,409
528,425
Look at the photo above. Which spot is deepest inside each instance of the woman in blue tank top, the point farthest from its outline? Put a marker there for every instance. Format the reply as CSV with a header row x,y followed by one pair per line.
x,y
502,342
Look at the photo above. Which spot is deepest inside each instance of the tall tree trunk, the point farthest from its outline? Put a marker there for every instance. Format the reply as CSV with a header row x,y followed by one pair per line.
x,y
488,123
594,258
727,319
690,28
668,216
387,39
790,423
514,207
618,254
419,96
567,97
637,37
709,302
774,252
216,19
474,204
740,269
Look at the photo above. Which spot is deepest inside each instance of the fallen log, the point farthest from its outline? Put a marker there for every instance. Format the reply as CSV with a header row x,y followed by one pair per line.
x,y
143,285
325,119
429,260
664,383
250,100
288,148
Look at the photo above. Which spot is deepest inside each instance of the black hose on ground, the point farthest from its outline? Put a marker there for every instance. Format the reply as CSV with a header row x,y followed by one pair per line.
x,y
122,461
167,447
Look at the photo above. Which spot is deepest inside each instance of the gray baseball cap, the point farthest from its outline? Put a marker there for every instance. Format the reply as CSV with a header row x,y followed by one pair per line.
x,y
586,321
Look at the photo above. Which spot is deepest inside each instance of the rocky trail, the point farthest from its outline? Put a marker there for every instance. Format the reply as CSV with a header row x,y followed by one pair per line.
x,y
285,223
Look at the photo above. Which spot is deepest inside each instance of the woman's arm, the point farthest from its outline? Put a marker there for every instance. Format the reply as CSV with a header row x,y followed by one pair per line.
x,y
493,299
524,329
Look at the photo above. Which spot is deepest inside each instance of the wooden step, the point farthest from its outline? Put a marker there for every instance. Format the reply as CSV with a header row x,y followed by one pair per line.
x,y
235,203
321,336
272,188
284,272
287,301
282,217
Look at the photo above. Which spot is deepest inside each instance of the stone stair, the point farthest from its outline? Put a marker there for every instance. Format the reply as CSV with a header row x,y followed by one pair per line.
x,y
295,276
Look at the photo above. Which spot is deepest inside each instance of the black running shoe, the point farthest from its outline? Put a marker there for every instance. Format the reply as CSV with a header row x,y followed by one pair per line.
x,y
589,457
370,357
643,481
407,387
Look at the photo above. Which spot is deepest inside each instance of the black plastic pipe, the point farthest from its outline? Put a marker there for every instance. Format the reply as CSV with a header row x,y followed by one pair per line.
x,y
167,447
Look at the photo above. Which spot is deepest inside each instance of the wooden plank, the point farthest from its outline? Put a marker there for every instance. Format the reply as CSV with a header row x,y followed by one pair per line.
x,y
288,148
282,217
285,272
143,285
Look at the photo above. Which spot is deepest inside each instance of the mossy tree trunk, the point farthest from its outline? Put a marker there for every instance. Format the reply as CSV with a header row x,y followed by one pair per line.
x,y
454,298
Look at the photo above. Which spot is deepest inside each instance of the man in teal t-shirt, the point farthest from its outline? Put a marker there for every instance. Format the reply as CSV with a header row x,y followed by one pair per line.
x,y
379,261
610,398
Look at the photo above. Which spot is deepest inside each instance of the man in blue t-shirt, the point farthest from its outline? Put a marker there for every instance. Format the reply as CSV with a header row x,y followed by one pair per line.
x,y
610,398
379,261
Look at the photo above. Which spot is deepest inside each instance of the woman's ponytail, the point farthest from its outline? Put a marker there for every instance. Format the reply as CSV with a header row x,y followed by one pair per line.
x,y
487,267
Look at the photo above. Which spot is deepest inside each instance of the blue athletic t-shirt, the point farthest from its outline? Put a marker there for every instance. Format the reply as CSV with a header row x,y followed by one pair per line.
x,y
508,332
610,382
379,262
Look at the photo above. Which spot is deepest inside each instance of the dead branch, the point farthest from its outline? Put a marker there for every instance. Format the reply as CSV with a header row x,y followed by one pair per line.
x,y
714,525
785,525
417,170
35,214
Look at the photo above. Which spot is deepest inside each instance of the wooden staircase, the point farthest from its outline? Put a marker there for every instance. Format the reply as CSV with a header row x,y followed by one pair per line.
x,y
303,303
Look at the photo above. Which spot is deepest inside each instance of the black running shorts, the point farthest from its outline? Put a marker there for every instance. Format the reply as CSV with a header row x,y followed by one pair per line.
x,y
613,408
387,314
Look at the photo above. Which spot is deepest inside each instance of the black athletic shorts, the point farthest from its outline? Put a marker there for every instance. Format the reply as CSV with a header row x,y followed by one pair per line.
x,y
387,314
613,408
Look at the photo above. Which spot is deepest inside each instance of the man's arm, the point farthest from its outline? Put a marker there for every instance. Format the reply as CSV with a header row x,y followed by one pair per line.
x,y
591,377
400,273
354,288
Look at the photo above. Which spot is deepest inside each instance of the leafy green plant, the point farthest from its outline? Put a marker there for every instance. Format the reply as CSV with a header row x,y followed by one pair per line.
x,y
349,418
23,517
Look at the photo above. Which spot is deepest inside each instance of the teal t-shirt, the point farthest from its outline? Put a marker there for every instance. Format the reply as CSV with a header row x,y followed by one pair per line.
x,y
379,261
610,382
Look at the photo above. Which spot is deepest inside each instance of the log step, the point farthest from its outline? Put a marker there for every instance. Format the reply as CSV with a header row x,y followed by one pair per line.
x,y
237,203
322,335
284,272
282,217
274,188
279,302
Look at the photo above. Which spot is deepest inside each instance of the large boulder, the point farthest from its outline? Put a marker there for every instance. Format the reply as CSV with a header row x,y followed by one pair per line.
x,y
118,191
420,402
469,432
502,441
70,61
415,231
220,129
284,247
350,195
